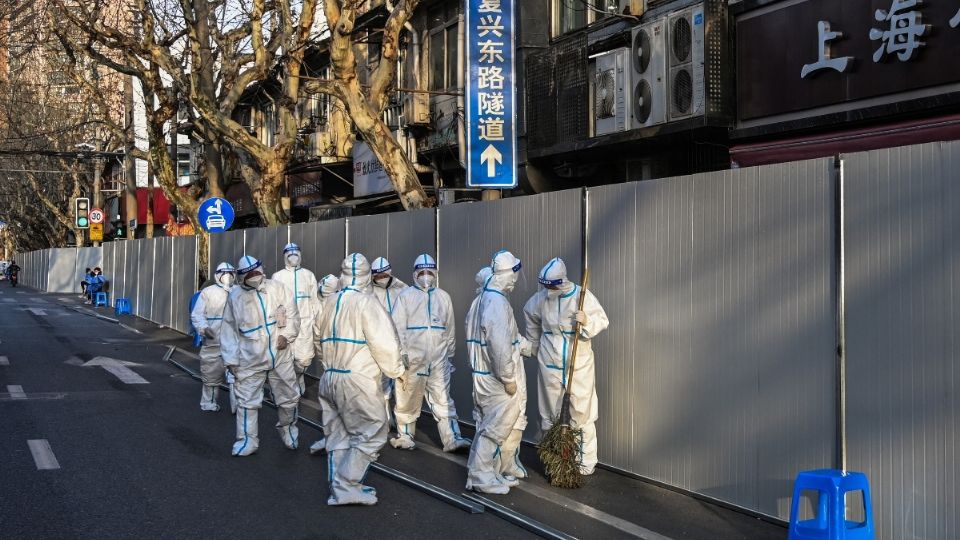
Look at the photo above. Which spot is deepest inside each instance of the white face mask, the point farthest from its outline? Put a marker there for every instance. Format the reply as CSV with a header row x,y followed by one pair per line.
x,y
426,280
226,279
293,260
382,282
253,282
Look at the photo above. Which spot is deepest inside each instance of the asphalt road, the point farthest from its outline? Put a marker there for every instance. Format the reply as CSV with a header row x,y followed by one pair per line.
x,y
90,451
141,460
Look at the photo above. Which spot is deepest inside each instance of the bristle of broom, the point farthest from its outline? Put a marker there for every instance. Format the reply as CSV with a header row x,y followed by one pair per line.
x,y
559,450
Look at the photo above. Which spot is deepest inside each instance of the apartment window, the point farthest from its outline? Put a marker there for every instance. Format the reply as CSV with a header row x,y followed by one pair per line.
x,y
444,53
570,15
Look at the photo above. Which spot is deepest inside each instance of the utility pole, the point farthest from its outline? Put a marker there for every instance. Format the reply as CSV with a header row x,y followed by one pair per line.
x,y
97,197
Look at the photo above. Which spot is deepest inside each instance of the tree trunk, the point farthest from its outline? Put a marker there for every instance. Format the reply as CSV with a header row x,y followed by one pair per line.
x,y
267,195
213,169
395,161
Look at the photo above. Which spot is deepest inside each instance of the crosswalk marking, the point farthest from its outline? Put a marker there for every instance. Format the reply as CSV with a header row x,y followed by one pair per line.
x,y
16,391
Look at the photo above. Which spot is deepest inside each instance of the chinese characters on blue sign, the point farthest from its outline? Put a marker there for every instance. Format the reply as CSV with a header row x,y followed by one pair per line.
x,y
491,103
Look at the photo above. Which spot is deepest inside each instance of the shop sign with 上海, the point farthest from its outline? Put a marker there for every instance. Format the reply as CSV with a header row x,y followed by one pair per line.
x,y
828,55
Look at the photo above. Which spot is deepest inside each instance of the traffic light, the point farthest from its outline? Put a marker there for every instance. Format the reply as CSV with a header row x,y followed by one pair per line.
x,y
82,212
118,230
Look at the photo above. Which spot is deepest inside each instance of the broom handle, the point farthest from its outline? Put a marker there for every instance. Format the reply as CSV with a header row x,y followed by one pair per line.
x,y
576,329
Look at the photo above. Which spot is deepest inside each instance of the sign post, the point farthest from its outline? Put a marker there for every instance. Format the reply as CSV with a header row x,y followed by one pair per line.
x,y
490,96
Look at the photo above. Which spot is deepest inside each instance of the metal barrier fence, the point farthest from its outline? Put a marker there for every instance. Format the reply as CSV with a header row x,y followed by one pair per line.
x,y
726,294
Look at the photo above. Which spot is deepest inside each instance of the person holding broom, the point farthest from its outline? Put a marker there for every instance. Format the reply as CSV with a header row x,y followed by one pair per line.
x,y
551,316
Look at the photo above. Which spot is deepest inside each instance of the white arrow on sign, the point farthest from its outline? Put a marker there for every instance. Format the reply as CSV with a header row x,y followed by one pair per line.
x,y
119,369
491,156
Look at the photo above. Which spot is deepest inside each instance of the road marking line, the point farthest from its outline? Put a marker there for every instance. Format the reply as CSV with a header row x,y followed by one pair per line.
x,y
43,455
118,369
37,311
4,361
16,391
9,300
566,502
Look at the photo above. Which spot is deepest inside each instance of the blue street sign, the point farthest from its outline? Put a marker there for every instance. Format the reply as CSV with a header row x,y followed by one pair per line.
x,y
491,100
216,215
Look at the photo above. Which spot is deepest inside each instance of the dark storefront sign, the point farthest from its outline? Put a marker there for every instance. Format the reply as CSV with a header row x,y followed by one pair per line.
x,y
807,57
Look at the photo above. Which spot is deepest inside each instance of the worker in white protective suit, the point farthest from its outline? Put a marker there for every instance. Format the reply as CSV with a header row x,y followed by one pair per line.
x,y
260,323
303,284
495,347
207,317
386,287
423,315
329,285
358,346
550,317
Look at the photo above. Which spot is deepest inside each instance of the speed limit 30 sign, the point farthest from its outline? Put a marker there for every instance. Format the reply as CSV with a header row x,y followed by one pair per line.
x,y
96,215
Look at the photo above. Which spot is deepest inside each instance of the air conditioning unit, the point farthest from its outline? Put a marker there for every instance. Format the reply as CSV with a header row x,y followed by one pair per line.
x,y
648,51
611,85
697,83
416,108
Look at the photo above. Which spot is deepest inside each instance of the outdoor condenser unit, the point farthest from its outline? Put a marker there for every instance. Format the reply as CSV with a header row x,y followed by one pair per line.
x,y
612,82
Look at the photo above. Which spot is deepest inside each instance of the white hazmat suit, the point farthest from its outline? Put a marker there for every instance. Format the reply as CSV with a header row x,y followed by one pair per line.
x,y
260,323
424,319
304,286
387,288
550,318
358,346
495,346
207,317
329,285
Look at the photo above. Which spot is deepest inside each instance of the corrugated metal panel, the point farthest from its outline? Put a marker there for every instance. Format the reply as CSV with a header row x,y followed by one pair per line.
x,y
795,327
323,245
722,329
368,235
399,237
133,275
118,281
902,259
535,229
184,284
267,245
163,282
62,275
225,247
145,284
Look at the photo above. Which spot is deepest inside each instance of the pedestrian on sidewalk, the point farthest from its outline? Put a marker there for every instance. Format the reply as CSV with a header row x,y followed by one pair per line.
x,y
495,347
83,283
303,283
358,346
207,319
551,315
260,322
424,319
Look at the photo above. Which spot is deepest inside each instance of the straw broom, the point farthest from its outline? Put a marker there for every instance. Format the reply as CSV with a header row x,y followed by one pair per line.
x,y
561,443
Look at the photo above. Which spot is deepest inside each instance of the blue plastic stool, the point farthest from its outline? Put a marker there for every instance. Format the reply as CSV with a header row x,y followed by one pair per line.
x,y
830,522
121,306
100,299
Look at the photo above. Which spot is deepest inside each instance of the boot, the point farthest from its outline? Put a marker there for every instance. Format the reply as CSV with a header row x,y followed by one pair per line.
x,y
510,460
483,468
208,398
287,427
247,439
404,440
450,435
318,446
348,469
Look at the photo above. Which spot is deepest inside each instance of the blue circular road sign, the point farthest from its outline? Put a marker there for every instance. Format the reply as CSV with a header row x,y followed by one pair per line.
x,y
216,215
